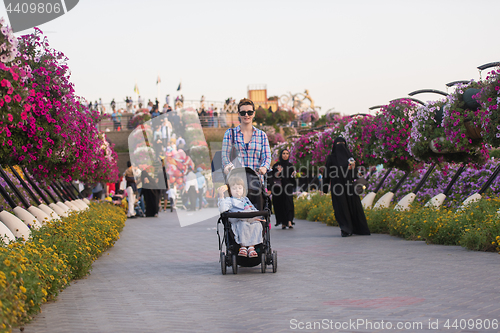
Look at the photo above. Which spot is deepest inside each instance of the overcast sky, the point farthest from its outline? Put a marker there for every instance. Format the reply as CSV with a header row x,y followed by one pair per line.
x,y
350,55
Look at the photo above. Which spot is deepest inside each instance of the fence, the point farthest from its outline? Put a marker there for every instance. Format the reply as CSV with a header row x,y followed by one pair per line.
x,y
123,122
106,108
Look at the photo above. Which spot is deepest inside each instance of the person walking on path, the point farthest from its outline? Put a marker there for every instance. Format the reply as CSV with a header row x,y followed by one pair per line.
x,y
340,174
282,190
150,194
202,188
191,188
251,143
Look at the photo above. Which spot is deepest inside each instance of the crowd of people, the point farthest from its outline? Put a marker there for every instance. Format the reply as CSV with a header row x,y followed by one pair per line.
x,y
121,113
252,151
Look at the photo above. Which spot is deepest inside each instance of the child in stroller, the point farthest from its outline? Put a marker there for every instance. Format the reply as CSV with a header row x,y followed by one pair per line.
x,y
247,232
245,217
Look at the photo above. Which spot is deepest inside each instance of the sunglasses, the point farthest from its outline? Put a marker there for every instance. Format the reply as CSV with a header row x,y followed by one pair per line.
x,y
244,113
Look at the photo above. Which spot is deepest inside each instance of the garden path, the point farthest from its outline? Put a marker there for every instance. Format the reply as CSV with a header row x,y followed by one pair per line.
x,y
160,277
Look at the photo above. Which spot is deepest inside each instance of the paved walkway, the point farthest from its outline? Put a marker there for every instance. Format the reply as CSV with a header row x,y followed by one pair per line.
x,y
160,277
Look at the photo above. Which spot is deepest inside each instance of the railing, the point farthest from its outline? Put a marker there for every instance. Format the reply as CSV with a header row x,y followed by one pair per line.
x,y
122,123
132,107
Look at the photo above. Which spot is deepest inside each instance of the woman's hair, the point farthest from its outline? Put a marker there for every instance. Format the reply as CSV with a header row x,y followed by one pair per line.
x,y
245,101
237,180
129,164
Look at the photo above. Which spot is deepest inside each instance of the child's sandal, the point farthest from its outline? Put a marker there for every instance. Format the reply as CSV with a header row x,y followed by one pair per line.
x,y
243,252
251,252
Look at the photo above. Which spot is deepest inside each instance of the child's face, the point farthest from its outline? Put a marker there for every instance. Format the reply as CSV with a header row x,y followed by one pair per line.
x,y
237,191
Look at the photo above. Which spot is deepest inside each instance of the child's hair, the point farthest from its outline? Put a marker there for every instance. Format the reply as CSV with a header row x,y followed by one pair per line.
x,y
236,180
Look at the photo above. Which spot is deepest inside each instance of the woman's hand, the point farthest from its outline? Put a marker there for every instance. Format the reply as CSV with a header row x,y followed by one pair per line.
x,y
228,168
279,168
262,170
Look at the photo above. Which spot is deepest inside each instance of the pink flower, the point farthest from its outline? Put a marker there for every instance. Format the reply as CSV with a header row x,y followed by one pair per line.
x,y
9,116
7,98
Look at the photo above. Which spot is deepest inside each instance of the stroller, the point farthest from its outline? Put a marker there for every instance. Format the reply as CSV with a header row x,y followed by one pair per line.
x,y
258,197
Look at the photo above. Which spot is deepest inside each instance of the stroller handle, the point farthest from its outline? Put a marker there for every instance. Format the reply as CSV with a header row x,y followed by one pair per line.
x,y
247,215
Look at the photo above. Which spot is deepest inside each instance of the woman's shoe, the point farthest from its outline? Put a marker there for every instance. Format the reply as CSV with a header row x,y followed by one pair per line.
x,y
290,227
345,234
283,227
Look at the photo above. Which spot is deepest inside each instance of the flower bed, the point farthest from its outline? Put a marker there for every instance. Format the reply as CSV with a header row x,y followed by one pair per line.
x,y
34,272
476,228
469,182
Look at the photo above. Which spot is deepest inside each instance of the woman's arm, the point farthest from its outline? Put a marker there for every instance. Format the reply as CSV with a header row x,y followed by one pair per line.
x,y
265,156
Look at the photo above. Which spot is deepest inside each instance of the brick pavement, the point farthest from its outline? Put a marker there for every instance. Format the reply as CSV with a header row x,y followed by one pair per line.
x,y
160,277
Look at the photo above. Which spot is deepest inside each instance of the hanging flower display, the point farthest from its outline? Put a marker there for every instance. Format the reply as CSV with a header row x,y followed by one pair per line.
x,y
301,151
392,134
359,134
489,117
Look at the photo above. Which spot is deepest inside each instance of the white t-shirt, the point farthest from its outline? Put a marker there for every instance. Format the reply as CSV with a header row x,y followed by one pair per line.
x,y
171,193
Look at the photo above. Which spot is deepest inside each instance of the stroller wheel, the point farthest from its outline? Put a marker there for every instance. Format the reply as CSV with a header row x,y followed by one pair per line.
x,y
223,263
235,264
263,262
275,261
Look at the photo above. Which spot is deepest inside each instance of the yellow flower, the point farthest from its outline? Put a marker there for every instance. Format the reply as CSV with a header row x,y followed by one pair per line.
x,y
23,290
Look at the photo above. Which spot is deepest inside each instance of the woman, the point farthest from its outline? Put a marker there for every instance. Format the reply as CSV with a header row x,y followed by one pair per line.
x,y
250,143
282,190
340,172
149,192
129,177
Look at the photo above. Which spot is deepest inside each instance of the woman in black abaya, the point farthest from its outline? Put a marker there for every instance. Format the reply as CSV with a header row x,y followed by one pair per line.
x,y
282,190
149,191
340,174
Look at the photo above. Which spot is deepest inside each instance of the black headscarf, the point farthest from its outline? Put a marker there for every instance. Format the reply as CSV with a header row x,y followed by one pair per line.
x,y
282,162
340,153
287,166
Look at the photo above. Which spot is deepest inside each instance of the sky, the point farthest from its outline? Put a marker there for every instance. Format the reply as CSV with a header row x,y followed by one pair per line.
x,y
350,55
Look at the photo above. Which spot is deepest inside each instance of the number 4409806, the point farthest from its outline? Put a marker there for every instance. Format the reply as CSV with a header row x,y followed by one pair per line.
x,y
34,8
472,324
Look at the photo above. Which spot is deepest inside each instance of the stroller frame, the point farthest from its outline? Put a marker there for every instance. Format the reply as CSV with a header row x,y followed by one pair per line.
x,y
266,256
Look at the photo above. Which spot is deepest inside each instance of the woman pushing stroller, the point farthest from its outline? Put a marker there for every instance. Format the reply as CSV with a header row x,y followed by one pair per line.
x,y
247,232
251,143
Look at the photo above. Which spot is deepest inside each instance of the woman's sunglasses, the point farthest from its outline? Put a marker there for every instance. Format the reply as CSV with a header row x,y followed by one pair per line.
x,y
244,113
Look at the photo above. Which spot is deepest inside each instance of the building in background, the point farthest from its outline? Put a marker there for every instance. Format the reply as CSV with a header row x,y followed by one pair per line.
x,y
258,94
